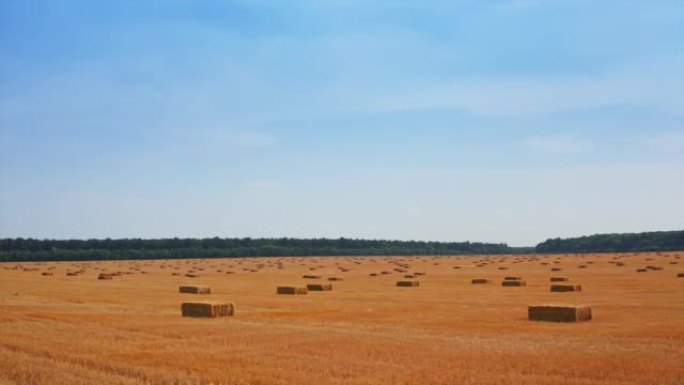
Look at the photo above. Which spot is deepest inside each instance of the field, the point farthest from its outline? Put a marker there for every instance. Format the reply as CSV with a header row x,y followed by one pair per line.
x,y
58,329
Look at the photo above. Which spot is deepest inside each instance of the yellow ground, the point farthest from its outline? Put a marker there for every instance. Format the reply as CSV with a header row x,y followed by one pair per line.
x,y
79,330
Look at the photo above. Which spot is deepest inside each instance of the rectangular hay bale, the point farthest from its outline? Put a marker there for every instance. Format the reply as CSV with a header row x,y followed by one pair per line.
x,y
552,313
292,290
208,309
319,287
408,283
479,281
194,289
565,288
513,283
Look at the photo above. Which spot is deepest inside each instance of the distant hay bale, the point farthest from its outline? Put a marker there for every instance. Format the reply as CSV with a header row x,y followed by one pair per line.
x,y
680,275
512,278
104,276
335,279
71,274
292,290
190,275
311,276
558,279
553,313
457,267
207,309
479,281
194,289
319,287
565,288
46,274
641,270
373,274
654,268
417,274
408,283
513,283
409,276
582,266
175,273
502,268
556,269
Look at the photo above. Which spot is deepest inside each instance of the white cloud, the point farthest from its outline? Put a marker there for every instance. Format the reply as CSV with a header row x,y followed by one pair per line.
x,y
558,144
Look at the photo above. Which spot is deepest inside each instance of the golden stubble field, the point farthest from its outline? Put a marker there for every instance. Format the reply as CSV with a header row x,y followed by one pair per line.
x,y
58,329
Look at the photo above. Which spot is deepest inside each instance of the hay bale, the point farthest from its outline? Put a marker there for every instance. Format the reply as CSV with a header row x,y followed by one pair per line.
x,y
556,269
208,309
408,283
373,274
335,279
680,275
512,278
104,276
641,270
190,275
311,276
46,274
552,313
565,288
409,276
194,289
292,290
558,279
478,281
319,287
71,274
513,283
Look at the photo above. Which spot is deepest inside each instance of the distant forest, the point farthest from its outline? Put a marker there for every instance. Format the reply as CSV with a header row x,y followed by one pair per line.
x,y
20,249
653,241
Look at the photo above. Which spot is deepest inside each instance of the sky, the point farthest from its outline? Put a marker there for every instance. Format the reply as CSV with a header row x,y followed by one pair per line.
x,y
466,120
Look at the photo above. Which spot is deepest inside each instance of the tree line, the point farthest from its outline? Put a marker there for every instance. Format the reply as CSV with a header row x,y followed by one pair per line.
x,y
28,249
633,242
21,249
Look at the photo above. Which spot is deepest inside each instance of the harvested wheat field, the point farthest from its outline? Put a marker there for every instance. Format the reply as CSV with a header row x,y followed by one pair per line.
x,y
70,328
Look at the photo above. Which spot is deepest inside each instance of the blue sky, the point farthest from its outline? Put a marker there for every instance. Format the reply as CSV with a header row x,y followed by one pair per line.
x,y
504,121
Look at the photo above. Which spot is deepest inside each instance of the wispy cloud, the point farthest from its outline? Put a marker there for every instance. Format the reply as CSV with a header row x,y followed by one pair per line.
x,y
558,144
